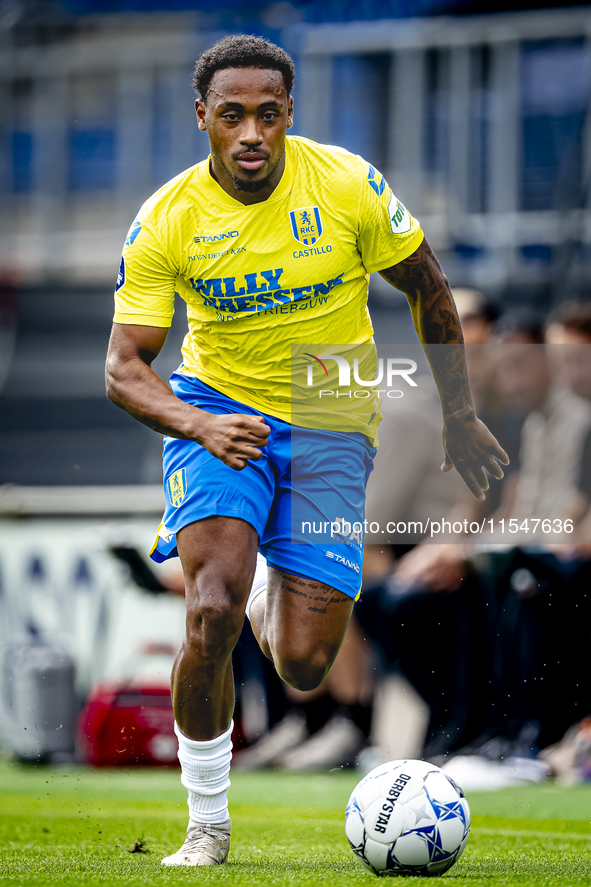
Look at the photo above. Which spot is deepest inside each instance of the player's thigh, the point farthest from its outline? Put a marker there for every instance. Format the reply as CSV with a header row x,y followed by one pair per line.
x,y
216,519
305,623
218,555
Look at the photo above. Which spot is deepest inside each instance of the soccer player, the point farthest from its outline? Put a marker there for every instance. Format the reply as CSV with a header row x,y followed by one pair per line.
x,y
270,243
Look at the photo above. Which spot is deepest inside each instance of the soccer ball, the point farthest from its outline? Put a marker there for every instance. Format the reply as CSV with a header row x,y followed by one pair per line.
x,y
407,818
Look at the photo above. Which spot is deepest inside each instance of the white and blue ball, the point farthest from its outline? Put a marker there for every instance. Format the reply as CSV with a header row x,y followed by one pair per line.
x,y
407,818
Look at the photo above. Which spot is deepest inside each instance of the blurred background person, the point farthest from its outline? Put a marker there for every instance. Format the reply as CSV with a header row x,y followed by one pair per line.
x,y
429,602
554,431
536,592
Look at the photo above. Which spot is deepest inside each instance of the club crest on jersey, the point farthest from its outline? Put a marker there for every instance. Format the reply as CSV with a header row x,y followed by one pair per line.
x,y
177,487
306,225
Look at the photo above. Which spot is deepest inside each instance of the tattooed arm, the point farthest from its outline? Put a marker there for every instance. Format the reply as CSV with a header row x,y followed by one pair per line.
x,y
436,321
467,442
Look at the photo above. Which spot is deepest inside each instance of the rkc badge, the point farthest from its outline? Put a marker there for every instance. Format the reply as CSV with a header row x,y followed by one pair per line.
x,y
177,487
306,225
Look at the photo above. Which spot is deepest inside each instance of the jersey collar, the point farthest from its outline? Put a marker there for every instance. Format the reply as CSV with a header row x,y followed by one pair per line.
x,y
216,193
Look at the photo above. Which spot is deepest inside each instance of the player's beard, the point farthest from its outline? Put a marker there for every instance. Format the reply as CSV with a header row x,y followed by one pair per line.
x,y
250,186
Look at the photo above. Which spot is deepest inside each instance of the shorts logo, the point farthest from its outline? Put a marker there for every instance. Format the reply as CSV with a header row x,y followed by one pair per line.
x,y
306,225
177,487
120,275
343,560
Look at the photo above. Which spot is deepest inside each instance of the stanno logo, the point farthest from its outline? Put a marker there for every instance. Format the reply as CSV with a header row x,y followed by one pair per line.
x,y
306,225
343,560
213,238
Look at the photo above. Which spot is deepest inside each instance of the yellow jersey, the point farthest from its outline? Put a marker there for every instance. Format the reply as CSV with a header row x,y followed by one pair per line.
x,y
292,270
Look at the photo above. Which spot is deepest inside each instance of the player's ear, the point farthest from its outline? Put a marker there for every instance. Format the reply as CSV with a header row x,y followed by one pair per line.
x,y
200,112
290,112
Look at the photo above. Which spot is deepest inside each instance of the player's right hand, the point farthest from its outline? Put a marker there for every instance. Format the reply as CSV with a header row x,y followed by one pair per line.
x,y
235,438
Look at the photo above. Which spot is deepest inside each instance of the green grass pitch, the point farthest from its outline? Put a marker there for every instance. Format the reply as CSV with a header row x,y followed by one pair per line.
x,y
73,826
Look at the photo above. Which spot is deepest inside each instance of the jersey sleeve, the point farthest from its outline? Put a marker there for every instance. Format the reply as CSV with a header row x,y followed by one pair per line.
x,y
145,290
387,232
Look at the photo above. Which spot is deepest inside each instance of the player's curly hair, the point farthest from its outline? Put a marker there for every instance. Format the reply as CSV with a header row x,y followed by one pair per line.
x,y
241,51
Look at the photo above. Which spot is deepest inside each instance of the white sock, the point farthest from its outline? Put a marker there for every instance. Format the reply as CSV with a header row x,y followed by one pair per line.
x,y
205,772
259,583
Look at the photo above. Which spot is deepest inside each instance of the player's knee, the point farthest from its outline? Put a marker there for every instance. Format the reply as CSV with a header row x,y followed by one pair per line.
x,y
304,670
213,626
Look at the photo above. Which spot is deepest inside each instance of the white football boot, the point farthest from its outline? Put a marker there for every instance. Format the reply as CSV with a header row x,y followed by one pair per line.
x,y
205,844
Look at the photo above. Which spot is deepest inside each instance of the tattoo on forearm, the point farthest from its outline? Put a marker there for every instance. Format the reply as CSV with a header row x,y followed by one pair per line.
x,y
437,322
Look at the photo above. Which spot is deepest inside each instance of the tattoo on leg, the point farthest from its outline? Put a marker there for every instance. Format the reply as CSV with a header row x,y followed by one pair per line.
x,y
295,591
320,596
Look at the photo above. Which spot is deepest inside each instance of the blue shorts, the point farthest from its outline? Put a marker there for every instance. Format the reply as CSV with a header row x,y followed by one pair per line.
x,y
305,497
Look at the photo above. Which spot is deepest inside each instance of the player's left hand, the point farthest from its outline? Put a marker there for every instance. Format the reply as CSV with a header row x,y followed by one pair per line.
x,y
470,448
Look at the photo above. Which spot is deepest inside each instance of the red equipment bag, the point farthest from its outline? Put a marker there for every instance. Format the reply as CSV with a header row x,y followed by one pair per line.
x,y
128,723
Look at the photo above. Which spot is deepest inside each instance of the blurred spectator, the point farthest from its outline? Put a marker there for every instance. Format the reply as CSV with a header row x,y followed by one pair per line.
x,y
570,326
538,613
513,602
477,314
556,425
428,605
552,436
520,326
407,483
